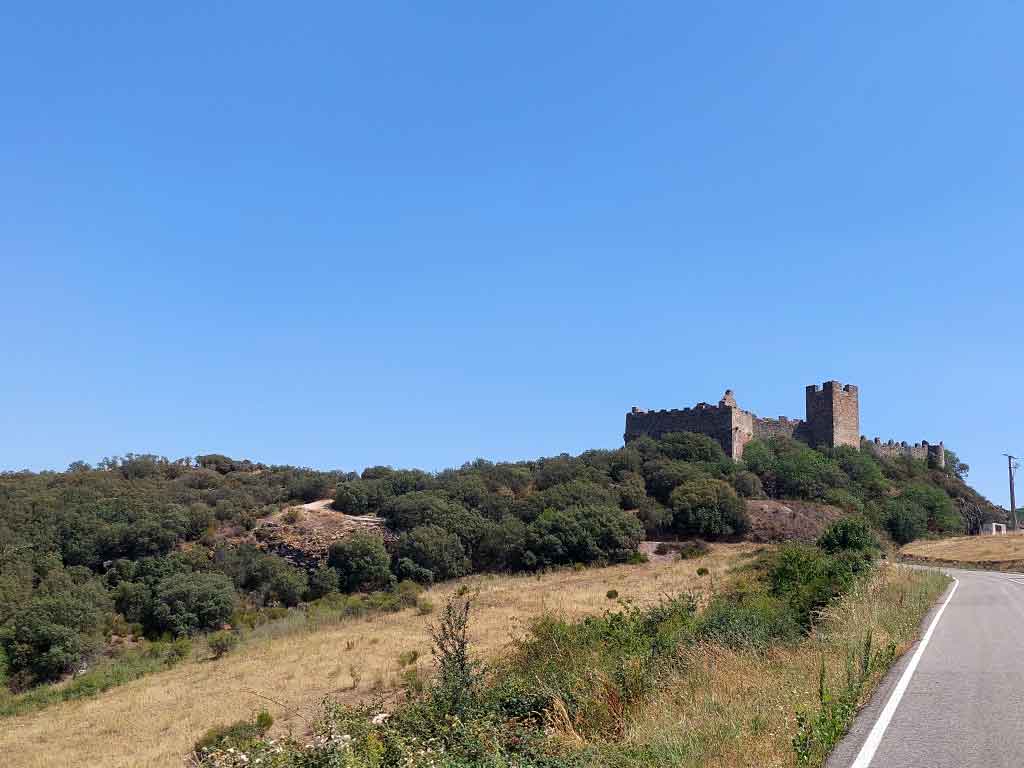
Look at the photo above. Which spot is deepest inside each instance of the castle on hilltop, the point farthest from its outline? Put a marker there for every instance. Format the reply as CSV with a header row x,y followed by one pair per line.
x,y
832,419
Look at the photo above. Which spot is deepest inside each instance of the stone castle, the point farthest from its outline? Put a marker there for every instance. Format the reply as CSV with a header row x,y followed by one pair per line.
x,y
832,419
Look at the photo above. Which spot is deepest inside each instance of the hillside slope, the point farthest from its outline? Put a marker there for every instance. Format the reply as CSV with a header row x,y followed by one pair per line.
x,y
154,721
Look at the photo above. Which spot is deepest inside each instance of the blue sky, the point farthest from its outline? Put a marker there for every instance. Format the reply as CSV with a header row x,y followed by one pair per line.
x,y
346,234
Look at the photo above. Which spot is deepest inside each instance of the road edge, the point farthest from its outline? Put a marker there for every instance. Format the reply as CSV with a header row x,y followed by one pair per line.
x,y
849,749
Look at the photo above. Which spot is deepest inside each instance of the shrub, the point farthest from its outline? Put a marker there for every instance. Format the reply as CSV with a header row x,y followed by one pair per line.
x,y
55,629
458,674
612,594
807,578
748,485
665,476
407,569
692,549
755,622
292,516
222,643
436,550
186,603
323,581
352,498
178,650
702,571
709,508
937,506
408,593
845,499
691,446
905,522
424,606
583,534
852,534
237,735
362,563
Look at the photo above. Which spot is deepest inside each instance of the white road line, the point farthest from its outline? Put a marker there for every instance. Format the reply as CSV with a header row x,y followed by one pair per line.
x,y
878,731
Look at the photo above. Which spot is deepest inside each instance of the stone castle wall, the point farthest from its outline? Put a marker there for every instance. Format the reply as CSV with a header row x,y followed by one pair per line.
x,y
934,455
833,419
715,421
765,429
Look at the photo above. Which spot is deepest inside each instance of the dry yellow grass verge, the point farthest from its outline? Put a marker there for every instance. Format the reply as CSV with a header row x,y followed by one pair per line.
x,y
155,720
998,552
735,708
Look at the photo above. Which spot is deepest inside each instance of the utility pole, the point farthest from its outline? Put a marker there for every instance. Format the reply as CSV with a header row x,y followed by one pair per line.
x,y
1011,468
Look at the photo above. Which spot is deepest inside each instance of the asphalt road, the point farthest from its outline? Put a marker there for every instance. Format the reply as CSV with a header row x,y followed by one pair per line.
x,y
963,706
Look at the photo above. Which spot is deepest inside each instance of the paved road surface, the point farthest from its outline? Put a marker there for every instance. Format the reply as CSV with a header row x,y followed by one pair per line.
x,y
964,705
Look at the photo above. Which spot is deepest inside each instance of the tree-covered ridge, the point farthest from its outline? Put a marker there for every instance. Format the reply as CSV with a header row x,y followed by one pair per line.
x,y
145,546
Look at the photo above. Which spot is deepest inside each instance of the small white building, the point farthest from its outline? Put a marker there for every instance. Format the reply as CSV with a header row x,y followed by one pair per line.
x,y
993,529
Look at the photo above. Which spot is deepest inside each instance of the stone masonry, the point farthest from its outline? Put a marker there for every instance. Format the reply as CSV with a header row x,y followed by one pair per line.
x,y
832,419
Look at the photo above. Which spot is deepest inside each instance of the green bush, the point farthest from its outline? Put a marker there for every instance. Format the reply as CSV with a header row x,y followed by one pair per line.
x,y
235,736
408,570
756,622
748,485
702,571
222,643
905,521
408,593
691,549
60,624
362,562
807,578
456,685
690,446
352,498
850,534
709,508
583,534
187,603
612,594
323,581
436,550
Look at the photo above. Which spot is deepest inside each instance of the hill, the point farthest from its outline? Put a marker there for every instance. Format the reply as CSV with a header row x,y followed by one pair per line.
x,y
140,550
351,660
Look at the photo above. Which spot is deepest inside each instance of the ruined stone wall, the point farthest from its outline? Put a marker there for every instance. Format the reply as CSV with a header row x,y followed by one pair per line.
x,y
934,455
833,414
765,429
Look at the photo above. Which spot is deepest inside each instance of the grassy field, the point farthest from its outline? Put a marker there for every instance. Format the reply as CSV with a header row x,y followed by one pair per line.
x,y
155,720
996,552
737,708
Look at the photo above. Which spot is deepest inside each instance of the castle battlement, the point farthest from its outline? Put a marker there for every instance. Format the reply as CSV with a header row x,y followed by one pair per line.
x,y
832,419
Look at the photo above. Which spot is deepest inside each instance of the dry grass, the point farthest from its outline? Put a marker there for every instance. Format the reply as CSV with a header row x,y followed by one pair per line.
x,y
736,708
155,720
981,551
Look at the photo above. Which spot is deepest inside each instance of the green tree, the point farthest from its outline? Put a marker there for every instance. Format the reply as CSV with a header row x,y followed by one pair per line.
x,y
690,446
362,562
708,507
905,521
323,581
438,550
187,603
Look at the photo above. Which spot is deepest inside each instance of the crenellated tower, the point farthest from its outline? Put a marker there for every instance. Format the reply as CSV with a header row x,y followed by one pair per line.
x,y
833,414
